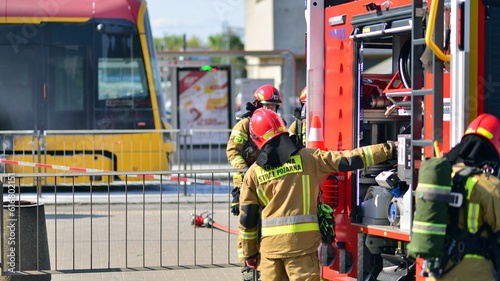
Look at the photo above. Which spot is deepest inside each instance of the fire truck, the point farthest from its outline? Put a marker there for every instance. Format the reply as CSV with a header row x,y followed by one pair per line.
x,y
440,73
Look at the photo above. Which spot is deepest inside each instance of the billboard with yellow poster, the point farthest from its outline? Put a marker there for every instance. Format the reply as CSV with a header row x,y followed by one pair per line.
x,y
203,96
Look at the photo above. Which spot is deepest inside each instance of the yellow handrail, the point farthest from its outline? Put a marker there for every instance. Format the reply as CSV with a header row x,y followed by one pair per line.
x,y
437,150
430,29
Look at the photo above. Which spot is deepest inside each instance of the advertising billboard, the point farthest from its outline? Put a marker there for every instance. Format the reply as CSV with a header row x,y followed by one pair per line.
x,y
203,102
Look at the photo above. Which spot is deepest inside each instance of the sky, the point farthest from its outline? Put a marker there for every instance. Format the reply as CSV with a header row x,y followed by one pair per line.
x,y
195,17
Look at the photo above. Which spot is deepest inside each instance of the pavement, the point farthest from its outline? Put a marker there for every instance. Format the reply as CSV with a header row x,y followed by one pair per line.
x,y
219,274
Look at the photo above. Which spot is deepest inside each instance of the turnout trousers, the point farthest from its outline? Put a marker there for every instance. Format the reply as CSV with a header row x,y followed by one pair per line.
x,y
305,267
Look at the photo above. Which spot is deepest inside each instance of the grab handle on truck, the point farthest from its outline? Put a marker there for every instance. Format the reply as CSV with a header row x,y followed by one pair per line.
x,y
430,30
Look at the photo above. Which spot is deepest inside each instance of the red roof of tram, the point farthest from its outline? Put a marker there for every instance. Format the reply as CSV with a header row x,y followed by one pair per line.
x,y
36,10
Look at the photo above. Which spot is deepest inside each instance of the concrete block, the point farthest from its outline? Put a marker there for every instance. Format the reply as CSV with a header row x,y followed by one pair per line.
x,y
25,241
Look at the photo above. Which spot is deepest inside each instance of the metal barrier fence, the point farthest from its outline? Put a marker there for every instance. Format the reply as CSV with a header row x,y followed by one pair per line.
x,y
110,150
200,148
19,144
155,223
88,194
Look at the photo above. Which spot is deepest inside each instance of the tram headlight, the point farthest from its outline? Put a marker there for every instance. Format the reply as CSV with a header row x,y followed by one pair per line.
x,y
100,27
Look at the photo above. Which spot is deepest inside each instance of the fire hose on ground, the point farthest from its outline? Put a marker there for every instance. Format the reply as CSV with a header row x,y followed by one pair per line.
x,y
205,220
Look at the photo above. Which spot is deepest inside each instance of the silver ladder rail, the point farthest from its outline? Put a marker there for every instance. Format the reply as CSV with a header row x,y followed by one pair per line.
x,y
420,92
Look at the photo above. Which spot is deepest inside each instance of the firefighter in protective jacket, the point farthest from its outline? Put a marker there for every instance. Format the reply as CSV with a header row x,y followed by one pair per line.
x,y
478,219
281,190
241,151
297,129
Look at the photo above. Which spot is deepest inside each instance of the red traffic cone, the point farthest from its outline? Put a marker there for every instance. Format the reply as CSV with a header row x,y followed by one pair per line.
x,y
315,138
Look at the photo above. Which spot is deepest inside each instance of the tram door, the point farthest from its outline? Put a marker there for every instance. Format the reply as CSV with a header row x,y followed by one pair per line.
x,y
22,75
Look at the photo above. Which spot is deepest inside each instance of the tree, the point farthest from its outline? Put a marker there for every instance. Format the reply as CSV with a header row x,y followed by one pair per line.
x,y
176,42
219,41
227,41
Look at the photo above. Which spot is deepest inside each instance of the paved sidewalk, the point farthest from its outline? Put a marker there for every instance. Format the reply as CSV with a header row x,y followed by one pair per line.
x,y
219,274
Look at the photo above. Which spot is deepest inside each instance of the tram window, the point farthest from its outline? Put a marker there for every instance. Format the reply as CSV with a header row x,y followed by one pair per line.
x,y
69,85
121,79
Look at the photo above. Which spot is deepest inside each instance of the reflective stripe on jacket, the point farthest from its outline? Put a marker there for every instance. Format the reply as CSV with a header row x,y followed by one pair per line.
x,y
483,198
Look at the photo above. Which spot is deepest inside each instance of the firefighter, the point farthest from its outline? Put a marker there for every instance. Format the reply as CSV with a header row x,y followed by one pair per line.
x,y
297,129
241,151
479,148
281,190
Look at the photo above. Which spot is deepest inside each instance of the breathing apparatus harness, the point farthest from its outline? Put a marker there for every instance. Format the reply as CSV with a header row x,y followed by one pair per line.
x,y
299,116
459,242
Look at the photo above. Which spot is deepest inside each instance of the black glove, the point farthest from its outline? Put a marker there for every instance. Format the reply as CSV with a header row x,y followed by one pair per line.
x,y
235,204
394,146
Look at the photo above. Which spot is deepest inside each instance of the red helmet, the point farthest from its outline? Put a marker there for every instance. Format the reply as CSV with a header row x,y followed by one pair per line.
x,y
266,94
303,96
264,125
487,126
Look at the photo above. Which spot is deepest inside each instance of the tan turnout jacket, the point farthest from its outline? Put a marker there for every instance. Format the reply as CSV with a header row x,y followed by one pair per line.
x,y
241,152
285,199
